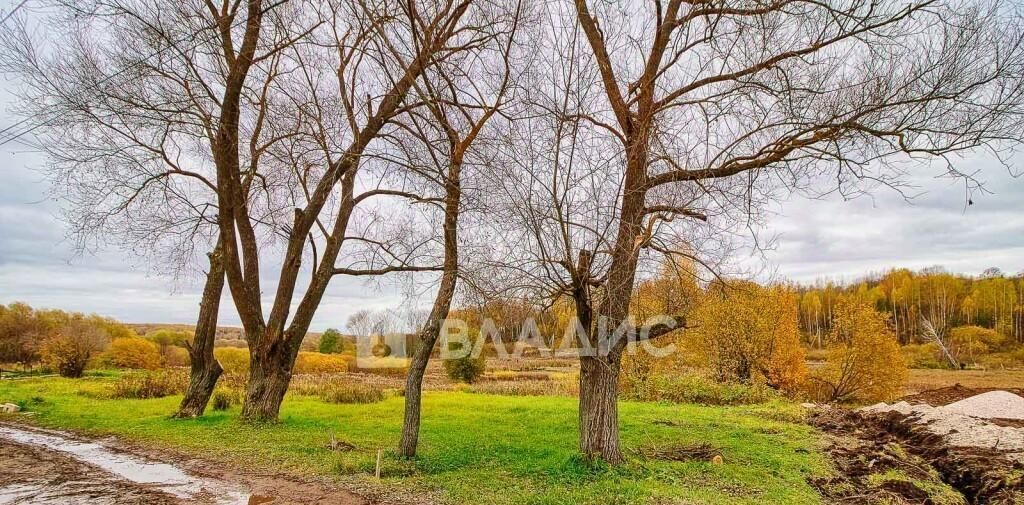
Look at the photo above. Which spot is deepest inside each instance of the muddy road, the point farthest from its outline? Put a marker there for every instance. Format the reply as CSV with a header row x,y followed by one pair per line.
x,y
39,467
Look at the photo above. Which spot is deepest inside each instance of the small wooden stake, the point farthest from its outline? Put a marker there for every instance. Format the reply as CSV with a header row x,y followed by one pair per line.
x,y
380,453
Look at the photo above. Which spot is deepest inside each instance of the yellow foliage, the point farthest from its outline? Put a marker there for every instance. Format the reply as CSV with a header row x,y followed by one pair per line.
x,y
315,363
968,343
864,360
234,360
748,332
132,352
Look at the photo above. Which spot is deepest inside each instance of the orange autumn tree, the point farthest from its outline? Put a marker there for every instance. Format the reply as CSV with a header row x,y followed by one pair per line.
x,y
674,291
864,361
132,352
749,333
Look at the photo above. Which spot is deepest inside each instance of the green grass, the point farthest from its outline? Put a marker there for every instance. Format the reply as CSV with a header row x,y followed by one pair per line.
x,y
473,448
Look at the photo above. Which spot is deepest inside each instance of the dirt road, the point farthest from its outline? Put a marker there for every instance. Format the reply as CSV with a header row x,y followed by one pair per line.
x,y
32,475
48,468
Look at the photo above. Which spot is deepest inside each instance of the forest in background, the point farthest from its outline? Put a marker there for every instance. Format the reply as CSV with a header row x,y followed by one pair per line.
x,y
946,300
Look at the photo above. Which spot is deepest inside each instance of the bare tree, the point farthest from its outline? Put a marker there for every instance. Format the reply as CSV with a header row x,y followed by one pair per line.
x,y
126,97
435,145
379,49
656,123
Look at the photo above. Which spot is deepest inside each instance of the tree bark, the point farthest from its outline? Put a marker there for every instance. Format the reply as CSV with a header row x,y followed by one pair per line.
x,y
438,313
598,413
413,396
269,375
205,370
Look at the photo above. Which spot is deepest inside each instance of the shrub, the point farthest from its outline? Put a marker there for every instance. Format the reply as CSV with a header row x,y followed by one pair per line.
x,y
132,352
223,399
149,385
749,334
317,363
76,341
330,342
176,357
923,356
465,369
233,359
1008,359
969,343
864,360
351,393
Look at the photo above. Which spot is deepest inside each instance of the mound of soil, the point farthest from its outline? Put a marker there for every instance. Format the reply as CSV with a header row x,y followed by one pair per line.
x,y
991,405
867,446
945,396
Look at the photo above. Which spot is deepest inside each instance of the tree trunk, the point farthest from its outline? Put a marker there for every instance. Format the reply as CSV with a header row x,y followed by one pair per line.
x,y
438,313
599,416
205,368
413,399
268,382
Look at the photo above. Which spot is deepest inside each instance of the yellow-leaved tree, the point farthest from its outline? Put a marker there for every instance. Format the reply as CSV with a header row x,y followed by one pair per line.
x,y
750,333
864,361
132,352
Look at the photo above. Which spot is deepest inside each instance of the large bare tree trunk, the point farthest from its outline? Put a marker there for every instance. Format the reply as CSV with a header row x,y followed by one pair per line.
x,y
599,412
205,368
269,375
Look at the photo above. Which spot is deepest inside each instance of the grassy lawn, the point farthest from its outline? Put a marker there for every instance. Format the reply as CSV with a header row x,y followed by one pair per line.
x,y
473,448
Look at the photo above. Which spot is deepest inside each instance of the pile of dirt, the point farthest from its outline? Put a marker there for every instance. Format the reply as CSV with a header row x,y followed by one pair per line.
x,y
947,395
968,422
991,405
887,457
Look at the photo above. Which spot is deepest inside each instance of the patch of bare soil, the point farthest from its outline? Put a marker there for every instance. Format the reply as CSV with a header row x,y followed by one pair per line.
x,y
866,447
34,476
951,394
277,488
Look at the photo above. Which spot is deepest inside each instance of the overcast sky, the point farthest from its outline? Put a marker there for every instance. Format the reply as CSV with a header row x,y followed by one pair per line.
x,y
815,239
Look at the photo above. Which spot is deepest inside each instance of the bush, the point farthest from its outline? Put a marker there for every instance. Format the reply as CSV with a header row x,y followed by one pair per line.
x,y
223,399
749,334
969,343
317,363
351,393
864,360
233,359
132,352
176,357
76,341
330,342
465,369
1008,359
149,385
923,356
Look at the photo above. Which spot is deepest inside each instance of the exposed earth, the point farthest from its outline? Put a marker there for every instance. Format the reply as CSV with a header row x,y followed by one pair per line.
x,y
964,449
41,467
948,446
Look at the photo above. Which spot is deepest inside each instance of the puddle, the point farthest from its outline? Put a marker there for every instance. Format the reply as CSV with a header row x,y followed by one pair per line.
x,y
144,473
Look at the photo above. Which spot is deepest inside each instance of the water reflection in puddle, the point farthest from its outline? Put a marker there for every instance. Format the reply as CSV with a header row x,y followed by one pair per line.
x,y
154,475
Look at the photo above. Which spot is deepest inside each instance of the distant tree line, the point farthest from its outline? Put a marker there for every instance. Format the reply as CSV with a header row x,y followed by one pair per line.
x,y
946,300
